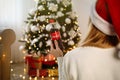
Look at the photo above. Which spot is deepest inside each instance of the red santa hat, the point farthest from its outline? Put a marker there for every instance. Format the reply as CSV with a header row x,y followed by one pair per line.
x,y
105,15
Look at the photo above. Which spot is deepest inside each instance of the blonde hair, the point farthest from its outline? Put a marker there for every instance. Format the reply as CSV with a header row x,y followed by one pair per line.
x,y
98,39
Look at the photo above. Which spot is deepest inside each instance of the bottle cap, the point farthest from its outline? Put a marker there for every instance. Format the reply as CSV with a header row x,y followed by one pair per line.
x,y
51,21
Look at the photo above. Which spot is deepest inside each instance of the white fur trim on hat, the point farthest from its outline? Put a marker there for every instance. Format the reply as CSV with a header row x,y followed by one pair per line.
x,y
100,23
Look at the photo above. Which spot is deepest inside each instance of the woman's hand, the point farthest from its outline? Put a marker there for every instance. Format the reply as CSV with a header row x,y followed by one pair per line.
x,y
56,52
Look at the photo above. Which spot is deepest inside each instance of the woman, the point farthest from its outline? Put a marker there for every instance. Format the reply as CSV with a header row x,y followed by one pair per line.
x,y
97,58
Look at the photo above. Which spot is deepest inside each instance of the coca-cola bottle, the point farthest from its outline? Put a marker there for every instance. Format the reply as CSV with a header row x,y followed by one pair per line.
x,y
55,34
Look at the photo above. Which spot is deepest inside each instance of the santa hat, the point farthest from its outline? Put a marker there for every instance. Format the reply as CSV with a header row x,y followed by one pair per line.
x,y
105,15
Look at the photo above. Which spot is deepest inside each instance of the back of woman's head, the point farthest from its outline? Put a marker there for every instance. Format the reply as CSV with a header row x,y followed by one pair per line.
x,y
99,39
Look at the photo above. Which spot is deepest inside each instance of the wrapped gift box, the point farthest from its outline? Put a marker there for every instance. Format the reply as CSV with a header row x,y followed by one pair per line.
x,y
34,65
33,72
53,72
33,62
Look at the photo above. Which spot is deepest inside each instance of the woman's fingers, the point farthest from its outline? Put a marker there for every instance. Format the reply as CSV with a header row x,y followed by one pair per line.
x,y
57,52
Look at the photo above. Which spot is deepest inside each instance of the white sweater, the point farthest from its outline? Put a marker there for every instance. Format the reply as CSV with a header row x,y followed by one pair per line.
x,y
89,63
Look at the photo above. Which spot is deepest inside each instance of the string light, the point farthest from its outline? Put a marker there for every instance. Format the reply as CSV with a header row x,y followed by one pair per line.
x,y
0,38
23,77
33,36
49,75
37,48
53,67
30,47
42,77
39,31
35,45
4,55
30,78
48,12
35,78
46,60
53,78
20,75
11,70
11,62
25,70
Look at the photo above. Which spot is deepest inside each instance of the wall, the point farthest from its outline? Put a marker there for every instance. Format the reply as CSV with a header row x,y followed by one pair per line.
x,y
13,13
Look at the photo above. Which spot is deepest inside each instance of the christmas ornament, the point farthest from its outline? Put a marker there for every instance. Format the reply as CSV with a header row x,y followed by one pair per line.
x,y
42,18
63,28
58,25
34,28
40,44
72,15
67,20
60,14
53,7
48,27
41,8
64,34
34,41
71,42
72,32
66,2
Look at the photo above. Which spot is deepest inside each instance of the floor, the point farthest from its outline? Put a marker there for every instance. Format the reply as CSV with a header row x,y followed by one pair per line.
x,y
19,72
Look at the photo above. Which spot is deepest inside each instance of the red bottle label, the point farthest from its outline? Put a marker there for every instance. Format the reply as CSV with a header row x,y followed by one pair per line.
x,y
55,35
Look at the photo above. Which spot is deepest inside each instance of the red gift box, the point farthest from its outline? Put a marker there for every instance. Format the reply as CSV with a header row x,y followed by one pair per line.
x,y
34,65
33,72
34,62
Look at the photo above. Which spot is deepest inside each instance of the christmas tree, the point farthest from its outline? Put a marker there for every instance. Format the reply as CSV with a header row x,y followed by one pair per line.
x,y
37,32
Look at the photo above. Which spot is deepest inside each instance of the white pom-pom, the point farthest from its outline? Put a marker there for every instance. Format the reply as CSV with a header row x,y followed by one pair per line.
x,y
34,41
58,1
72,32
34,28
67,20
73,15
60,14
64,34
71,42
48,27
58,25
63,28
53,7
66,2
22,47
42,18
41,7
40,44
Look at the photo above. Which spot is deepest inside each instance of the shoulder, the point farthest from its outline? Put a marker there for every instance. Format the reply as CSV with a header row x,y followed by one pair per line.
x,y
81,52
78,52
